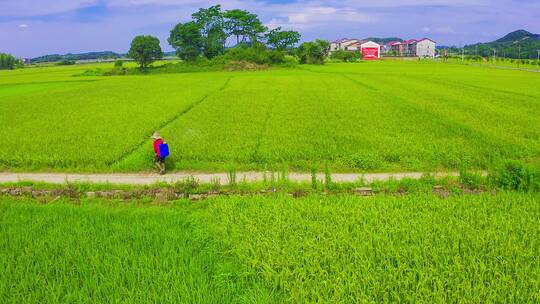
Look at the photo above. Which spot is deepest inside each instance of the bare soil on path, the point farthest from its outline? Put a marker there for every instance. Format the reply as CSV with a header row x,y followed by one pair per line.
x,y
150,178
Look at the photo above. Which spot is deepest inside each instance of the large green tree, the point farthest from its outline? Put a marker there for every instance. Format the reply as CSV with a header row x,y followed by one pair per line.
x,y
243,25
145,50
212,29
7,62
187,40
282,40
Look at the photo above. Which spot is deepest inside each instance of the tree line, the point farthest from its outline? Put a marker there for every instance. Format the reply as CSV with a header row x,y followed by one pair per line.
x,y
207,33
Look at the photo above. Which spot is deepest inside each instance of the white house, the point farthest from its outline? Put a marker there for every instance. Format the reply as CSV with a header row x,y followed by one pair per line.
x,y
425,48
342,44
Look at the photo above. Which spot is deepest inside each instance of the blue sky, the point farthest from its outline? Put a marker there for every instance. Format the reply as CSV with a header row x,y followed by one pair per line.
x,y
30,28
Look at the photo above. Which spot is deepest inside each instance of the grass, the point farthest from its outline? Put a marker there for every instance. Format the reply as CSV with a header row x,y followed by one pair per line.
x,y
374,116
275,249
106,253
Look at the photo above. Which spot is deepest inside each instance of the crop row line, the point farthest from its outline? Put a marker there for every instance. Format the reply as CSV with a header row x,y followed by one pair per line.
x,y
48,82
447,121
168,122
254,155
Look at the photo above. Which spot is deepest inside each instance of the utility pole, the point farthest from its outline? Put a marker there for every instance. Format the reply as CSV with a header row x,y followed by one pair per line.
x,y
494,55
538,59
519,55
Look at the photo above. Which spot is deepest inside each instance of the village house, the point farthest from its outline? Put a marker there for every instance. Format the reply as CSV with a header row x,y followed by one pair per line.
x,y
342,44
369,49
423,48
426,48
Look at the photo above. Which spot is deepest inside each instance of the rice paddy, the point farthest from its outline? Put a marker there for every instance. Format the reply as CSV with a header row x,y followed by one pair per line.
x,y
275,249
323,247
373,116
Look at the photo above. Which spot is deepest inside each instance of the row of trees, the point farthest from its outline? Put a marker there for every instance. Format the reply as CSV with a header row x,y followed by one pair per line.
x,y
8,62
495,59
513,51
209,31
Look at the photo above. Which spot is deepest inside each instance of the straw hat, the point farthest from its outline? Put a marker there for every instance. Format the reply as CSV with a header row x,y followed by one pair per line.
x,y
156,135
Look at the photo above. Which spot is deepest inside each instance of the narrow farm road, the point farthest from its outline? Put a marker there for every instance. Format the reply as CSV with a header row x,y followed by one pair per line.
x,y
149,178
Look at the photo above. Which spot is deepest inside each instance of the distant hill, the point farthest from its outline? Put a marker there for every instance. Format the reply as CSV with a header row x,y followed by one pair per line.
x,y
509,46
516,36
82,56
384,40
86,56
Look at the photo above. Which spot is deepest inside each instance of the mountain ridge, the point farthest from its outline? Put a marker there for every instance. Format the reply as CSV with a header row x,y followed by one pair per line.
x,y
519,44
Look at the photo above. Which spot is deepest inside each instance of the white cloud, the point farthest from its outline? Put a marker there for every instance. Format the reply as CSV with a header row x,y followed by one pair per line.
x,y
402,3
326,14
426,29
23,25
27,8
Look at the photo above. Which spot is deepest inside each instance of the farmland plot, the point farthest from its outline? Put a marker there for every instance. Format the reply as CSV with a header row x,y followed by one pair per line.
x,y
377,116
386,249
94,124
274,249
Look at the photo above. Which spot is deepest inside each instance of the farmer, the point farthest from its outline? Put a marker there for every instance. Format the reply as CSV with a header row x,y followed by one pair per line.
x,y
160,161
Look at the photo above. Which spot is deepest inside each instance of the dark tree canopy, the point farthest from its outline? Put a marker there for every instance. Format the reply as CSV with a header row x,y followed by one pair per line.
x,y
145,50
212,28
244,25
187,40
282,40
235,23
7,62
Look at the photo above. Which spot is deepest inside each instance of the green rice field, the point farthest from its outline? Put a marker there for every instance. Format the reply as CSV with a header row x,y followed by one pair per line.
x,y
275,249
371,116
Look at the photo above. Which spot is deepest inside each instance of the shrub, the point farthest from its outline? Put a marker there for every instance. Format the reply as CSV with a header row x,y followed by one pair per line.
x,y
290,61
19,64
314,52
66,62
258,54
187,186
7,62
116,71
345,56
366,160
515,175
118,63
94,72
244,66
471,180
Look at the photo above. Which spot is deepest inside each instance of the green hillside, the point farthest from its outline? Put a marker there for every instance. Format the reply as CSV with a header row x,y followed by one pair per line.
x,y
518,44
75,57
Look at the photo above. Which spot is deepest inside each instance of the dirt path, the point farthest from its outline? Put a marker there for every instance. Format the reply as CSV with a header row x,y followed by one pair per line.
x,y
148,178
